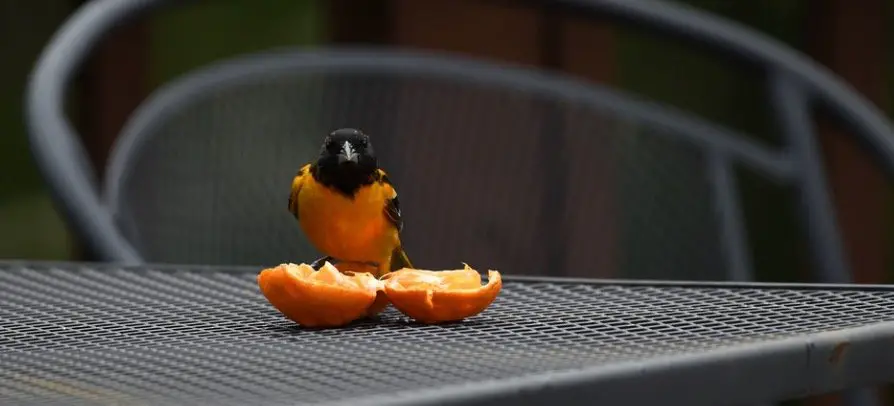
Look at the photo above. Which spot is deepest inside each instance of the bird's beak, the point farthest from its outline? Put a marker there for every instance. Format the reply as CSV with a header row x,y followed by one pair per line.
x,y
347,154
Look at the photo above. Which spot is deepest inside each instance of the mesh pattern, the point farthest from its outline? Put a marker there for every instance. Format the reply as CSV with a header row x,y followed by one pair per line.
x,y
488,175
169,336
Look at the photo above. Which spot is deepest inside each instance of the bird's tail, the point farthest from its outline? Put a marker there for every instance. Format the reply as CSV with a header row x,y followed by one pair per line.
x,y
399,259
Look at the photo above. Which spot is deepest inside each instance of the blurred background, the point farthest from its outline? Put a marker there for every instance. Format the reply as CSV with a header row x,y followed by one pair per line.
x,y
850,37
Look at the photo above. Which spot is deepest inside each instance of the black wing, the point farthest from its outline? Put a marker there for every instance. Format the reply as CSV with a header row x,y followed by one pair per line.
x,y
293,202
392,205
392,211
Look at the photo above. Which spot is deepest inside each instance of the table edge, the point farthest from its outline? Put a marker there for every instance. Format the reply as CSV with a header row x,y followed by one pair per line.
x,y
775,370
510,278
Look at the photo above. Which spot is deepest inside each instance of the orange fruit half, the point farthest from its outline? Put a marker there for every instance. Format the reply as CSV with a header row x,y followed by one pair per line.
x,y
324,298
441,296
381,302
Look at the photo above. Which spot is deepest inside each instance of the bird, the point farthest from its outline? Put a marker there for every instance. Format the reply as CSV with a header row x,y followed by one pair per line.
x,y
347,206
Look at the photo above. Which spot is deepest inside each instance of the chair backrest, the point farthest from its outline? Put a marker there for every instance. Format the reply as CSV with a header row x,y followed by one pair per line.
x,y
497,166
201,172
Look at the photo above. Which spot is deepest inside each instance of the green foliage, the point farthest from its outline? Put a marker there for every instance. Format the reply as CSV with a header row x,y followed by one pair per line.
x,y
206,31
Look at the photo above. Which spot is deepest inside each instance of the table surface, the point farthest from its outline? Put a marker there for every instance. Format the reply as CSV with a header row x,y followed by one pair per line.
x,y
101,334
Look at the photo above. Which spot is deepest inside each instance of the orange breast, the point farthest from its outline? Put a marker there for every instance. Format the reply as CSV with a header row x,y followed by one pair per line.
x,y
347,229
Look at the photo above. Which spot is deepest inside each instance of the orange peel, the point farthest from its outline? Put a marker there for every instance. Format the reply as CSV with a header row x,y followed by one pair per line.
x,y
337,295
381,302
441,296
323,298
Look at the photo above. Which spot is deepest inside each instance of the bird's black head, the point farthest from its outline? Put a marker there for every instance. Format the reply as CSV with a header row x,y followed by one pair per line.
x,y
346,161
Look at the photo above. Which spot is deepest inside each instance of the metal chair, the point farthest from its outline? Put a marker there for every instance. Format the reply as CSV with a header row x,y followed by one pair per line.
x,y
489,160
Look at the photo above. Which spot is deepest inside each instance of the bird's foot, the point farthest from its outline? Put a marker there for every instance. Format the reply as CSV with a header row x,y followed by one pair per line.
x,y
316,265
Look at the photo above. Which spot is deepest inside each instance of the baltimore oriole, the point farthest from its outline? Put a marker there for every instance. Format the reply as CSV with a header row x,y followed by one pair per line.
x,y
347,206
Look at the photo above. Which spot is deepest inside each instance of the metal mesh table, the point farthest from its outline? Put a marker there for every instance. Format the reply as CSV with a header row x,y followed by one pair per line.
x,y
99,334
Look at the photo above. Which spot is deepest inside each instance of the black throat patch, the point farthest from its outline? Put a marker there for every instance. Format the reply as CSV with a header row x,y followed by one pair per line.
x,y
344,180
